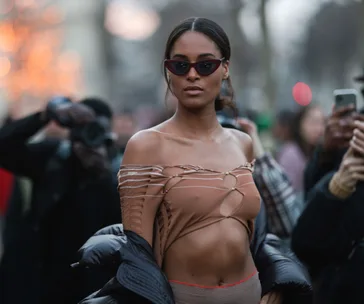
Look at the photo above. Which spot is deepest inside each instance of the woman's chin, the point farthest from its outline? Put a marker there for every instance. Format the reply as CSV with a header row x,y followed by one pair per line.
x,y
194,103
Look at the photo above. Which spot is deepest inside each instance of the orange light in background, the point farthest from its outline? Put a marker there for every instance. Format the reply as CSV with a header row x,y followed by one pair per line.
x,y
35,67
8,39
40,56
5,66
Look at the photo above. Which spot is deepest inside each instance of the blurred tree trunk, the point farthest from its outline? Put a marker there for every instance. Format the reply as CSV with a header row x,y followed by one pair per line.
x,y
235,8
362,35
268,78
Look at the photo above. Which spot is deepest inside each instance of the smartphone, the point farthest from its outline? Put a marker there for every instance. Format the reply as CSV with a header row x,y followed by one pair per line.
x,y
345,97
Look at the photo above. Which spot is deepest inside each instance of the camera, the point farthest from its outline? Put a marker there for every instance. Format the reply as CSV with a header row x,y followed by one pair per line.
x,y
93,134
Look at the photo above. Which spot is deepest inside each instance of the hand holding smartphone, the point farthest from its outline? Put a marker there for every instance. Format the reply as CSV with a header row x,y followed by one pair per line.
x,y
340,124
357,142
346,98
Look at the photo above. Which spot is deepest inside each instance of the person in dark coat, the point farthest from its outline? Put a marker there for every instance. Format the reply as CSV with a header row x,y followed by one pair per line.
x,y
329,235
73,196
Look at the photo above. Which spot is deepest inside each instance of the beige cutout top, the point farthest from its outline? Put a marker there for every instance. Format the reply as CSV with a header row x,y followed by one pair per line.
x,y
165,203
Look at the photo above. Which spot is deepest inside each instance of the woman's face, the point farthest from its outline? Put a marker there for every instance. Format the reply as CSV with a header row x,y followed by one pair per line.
x,y
192,90
313,126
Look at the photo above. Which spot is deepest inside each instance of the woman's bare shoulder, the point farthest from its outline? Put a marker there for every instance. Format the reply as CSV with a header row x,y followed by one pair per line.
x,y
142,147
244,141
240,136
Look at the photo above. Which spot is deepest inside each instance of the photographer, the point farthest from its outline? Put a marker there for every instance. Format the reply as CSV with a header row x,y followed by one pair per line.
x,y
73,196
338,132
327,156
329,235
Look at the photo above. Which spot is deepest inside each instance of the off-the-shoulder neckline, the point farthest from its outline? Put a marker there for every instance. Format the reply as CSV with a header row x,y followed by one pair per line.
x,y
247,165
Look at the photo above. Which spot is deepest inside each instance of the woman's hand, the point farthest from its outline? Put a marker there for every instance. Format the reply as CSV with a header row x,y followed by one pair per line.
x,y
273,297
352,166
339,128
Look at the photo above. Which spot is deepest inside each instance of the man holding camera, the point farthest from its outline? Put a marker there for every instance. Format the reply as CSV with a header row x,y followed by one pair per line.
x,y
73,196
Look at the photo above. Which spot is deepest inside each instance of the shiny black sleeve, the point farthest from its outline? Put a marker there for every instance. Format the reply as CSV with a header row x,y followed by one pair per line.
x,y
278,270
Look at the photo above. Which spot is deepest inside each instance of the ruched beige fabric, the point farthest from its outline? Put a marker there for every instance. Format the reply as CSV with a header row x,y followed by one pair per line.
x,y
165,203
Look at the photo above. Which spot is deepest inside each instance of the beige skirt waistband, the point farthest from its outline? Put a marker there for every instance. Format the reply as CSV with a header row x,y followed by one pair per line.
x,y
246,291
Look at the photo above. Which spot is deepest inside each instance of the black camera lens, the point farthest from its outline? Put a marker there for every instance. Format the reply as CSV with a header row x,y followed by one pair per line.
x,y
93,130
93,134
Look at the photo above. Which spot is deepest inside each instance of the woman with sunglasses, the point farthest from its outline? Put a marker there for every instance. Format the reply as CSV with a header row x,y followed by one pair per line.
x,y
188,198
178,188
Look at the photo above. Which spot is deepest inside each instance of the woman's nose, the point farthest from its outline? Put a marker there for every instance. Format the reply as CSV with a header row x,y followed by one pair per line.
x,y
192,74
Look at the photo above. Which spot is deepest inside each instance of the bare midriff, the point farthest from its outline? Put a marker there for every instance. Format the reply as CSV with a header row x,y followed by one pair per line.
x,y
215,255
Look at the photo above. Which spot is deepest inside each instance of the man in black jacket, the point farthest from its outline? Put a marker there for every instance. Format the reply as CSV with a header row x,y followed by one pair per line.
x,y
73,196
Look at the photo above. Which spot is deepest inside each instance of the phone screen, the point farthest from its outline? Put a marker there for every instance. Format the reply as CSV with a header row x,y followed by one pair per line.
x,y
345,97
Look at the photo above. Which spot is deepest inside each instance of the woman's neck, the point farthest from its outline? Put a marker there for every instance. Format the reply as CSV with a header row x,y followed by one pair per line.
x,y
196,124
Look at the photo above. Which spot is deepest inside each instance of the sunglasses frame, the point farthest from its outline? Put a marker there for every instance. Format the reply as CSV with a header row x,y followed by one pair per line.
x,y
193,65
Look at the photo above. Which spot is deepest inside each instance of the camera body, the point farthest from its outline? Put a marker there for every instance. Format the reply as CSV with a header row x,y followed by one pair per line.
x,y
93,134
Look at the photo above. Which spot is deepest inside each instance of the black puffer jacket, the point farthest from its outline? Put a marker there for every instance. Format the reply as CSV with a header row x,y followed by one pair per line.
x,y
139,279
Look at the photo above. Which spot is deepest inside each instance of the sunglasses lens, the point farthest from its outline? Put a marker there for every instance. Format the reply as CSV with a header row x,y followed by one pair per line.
x,y
178,67
181,68
207,67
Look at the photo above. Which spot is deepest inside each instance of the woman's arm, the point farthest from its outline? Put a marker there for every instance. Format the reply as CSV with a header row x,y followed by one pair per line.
x,y
19,156
139,201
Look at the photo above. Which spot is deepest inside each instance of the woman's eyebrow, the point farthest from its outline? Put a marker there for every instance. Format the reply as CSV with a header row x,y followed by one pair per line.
x,y
206,55
199,56
180,56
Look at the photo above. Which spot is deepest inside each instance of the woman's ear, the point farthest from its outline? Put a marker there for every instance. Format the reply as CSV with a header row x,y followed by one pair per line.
x,y
225,66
